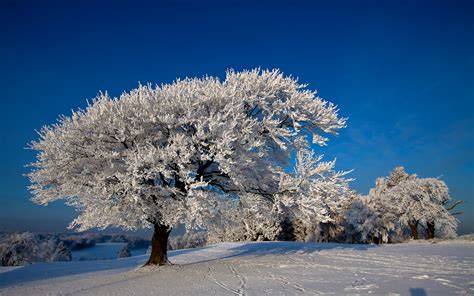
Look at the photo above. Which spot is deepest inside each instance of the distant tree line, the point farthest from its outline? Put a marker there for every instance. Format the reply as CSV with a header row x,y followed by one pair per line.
x,y
26,247
399,208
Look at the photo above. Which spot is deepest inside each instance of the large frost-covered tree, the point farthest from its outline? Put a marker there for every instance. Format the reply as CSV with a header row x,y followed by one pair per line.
x,y
170,155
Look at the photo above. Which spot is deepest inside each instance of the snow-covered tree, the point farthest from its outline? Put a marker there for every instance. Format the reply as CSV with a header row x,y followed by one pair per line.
x,y
189,239
62,253
359,221
422,202
402,201
445,225
124,252
368,220
250,219
312,196
170,155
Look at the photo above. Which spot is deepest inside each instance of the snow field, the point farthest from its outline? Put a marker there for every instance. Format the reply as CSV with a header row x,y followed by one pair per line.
x,y
262,268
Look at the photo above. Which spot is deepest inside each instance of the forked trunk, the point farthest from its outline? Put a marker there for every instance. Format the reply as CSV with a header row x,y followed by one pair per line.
x,y
430,230
159,246
414,229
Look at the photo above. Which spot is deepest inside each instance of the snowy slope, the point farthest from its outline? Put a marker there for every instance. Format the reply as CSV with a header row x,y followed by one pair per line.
x,y
262,268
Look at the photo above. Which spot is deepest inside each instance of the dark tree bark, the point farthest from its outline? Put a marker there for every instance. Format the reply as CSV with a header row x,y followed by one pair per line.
x,y
430,230
414,229
326,229
376,240
159,246
287,231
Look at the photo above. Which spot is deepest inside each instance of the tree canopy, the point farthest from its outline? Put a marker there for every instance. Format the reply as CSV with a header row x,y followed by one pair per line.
x,y
401,203
170,154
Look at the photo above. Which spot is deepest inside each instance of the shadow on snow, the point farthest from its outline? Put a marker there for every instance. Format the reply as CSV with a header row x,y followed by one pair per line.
x,y
49,270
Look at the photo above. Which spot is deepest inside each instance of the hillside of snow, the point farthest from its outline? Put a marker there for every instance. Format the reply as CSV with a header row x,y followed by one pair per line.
x,y
262,268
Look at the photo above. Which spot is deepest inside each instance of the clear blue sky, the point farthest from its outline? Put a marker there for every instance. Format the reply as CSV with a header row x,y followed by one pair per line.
x,y
402,71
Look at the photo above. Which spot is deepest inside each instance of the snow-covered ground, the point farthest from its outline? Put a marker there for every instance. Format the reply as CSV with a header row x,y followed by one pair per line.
x,y
262,268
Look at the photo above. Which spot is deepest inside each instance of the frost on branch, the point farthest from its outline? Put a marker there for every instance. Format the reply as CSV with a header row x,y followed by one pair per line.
x,y
307,207
313,195
173,154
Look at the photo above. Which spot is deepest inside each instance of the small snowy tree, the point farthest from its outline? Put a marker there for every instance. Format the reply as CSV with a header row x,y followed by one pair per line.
x,y
359,221
312,196
405,201
368,219
422,202
62,253
171,155
124,252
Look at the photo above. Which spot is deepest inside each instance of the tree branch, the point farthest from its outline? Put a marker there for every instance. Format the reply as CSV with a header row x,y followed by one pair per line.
x,y
455,204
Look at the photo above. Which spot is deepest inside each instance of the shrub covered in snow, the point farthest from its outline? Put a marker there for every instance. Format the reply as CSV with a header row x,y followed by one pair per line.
x,y
78,241
188,240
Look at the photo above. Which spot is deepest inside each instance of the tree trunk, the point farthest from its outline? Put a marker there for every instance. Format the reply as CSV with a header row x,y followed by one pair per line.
x,y
375,240
326,228
287,231
430,230
159,246
414,229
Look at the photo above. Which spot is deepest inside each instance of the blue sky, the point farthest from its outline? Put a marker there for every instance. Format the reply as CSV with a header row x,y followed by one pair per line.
x,y
402,71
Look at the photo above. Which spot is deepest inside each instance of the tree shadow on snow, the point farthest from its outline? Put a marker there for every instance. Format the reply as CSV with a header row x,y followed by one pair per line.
x,y
258,249
50,270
